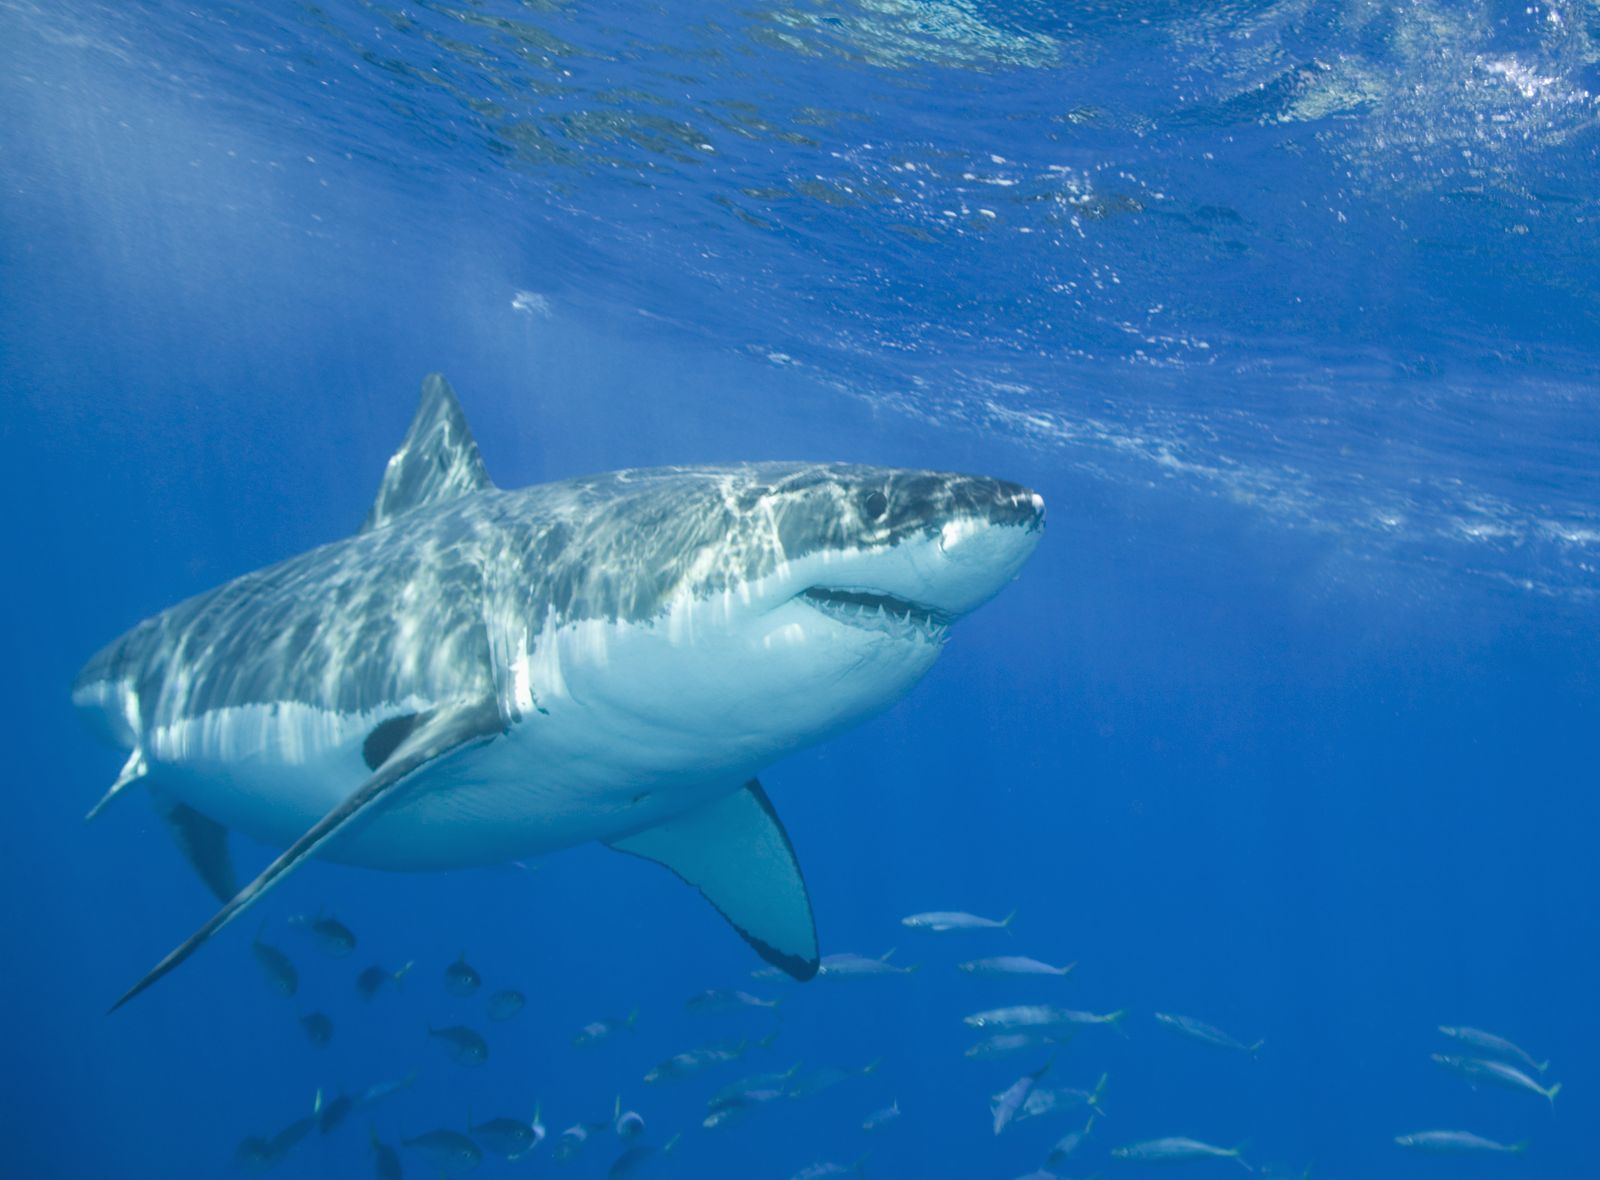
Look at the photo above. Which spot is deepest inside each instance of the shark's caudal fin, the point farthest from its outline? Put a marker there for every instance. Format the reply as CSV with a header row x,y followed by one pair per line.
x,y
203,842
440,732
736,853
438,460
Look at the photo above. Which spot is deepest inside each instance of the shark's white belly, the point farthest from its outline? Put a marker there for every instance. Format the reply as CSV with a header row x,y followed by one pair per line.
x,y
601,749
485,804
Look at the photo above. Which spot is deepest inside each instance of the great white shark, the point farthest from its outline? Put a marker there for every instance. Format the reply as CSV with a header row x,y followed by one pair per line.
x,y
481,675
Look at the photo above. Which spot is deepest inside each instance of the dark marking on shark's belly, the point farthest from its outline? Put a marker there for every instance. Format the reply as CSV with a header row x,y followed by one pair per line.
x,y
383,739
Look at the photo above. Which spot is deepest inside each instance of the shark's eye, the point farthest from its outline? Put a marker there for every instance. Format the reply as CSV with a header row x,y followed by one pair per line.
x,y
874,505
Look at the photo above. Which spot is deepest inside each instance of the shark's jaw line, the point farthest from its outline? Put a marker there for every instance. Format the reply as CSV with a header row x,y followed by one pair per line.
x,y
875,610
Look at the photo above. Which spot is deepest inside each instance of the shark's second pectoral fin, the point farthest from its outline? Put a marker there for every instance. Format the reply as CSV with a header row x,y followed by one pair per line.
x,y
736,853
203,842
438,732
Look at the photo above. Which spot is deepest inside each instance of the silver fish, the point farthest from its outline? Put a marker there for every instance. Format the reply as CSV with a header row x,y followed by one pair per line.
x,y
1047,1101
1486,1042
381,1090
762,1081
1039,1016
826,1078
464,1046
1208,1034
451,1152
1005,1044
880,1119
1006,1104
1069,1143
332,1112
280,972
1498,1073
375,978
681,1065
461,978
572,1141
509,1137
333,937
599,1030
1457,1143
1177,1150
722,1000
941,921
725,1109
628,1124
1014,965
845,965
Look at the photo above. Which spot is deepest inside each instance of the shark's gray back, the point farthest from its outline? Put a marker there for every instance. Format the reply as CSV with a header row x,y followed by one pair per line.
x,y
351,626
418,607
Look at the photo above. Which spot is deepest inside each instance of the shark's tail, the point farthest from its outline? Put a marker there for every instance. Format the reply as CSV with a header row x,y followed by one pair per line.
x,y
1237,1156
1256,1048
1116,1018
1551,1094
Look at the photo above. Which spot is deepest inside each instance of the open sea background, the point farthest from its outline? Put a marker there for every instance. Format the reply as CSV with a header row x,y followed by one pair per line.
x,y
1290,311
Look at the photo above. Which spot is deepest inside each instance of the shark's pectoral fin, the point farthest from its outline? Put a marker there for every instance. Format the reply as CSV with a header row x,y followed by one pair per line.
x,y
736,853
439,732
203,842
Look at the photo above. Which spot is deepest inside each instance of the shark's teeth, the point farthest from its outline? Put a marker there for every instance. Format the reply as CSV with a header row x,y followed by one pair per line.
x,y
873,610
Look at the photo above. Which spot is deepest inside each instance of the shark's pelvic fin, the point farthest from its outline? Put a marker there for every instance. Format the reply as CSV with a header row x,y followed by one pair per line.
x,y
133,770
441,731
203,842
437,462
736,853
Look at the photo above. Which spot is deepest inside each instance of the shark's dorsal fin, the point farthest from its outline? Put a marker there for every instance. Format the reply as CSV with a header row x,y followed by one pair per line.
x,y
438,460
736,853
442,731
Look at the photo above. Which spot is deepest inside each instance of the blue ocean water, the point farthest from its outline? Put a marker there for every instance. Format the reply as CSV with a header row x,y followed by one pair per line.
x,y
1289,310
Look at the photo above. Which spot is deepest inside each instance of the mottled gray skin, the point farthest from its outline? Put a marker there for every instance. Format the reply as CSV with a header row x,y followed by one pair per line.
x,y
335,627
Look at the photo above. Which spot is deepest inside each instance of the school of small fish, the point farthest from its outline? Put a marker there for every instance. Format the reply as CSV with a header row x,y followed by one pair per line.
x,y
1040,1031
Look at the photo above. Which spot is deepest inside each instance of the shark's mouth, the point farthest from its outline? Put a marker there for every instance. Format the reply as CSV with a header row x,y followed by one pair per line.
x,y
873,610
